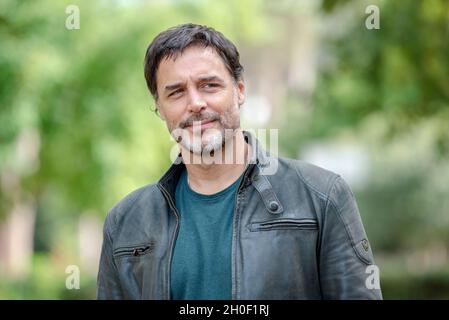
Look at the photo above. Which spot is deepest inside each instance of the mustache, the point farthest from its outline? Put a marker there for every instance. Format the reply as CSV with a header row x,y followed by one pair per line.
x,y
199,117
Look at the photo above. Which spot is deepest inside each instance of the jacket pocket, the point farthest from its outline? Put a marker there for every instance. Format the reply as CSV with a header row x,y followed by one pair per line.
x,y
133,251
284,224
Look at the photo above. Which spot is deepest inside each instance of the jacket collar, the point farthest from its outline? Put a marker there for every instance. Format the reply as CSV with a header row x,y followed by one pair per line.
x,y
254,174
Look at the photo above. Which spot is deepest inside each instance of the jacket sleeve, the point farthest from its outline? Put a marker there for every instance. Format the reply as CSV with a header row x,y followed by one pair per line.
x,y
346,263
108,282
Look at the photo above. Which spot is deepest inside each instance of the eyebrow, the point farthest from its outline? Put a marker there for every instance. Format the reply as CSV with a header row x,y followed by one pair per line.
x,y
174,86
177,85
211,78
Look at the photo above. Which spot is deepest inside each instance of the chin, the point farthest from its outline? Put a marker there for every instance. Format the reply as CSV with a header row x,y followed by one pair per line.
x,y
209,147
213,142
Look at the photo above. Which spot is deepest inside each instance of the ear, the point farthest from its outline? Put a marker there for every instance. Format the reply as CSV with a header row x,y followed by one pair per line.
x,y
241,91
159,109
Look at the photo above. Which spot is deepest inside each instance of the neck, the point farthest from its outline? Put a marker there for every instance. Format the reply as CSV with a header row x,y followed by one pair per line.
x,y
209,174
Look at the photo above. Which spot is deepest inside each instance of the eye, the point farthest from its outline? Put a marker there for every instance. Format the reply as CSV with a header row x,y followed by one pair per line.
x,y
175,93
211,85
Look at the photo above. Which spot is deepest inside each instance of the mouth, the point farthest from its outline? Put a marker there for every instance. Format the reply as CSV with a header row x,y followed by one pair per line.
x,y
202,124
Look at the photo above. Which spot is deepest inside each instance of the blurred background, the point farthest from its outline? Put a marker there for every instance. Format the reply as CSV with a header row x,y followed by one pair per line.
x,y
78,130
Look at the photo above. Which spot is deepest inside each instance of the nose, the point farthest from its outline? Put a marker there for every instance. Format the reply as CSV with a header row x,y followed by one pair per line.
x,y
196,102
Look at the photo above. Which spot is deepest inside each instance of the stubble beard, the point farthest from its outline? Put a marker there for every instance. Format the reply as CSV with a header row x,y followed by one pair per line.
x,y
211,139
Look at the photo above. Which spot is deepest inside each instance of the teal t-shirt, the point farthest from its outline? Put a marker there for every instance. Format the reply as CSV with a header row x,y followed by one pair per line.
x,y
201,265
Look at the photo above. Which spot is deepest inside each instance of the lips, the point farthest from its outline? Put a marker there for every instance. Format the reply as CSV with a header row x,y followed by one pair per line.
x,y
203,124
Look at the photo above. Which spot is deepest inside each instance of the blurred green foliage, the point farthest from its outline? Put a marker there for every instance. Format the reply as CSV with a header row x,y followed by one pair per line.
x,y
388,90
391,87
47,280
82,95
83,92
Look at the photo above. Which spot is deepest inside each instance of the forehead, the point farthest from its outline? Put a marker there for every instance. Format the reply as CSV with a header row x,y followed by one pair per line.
x,y
193,62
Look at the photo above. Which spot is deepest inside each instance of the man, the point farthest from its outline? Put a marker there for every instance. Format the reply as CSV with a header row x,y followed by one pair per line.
x,y
227,220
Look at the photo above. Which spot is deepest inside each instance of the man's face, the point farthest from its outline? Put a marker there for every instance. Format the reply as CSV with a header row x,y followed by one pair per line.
x,y
199,99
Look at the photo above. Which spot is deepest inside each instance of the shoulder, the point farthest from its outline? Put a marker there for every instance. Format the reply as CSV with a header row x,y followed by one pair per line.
x,y
317,179
125,206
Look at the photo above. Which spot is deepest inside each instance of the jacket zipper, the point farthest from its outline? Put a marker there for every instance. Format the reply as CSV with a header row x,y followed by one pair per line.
x,y
306,224
235,235
132,251
173,207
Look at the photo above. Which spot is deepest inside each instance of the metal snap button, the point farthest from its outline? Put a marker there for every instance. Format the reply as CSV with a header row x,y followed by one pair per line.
x,y
274,205
365,244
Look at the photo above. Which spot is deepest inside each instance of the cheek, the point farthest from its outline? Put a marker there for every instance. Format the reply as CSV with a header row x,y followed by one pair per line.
x,y
222,101
174,111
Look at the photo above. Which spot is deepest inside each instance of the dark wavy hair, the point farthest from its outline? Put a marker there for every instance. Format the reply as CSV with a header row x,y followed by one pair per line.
x,y
173,41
